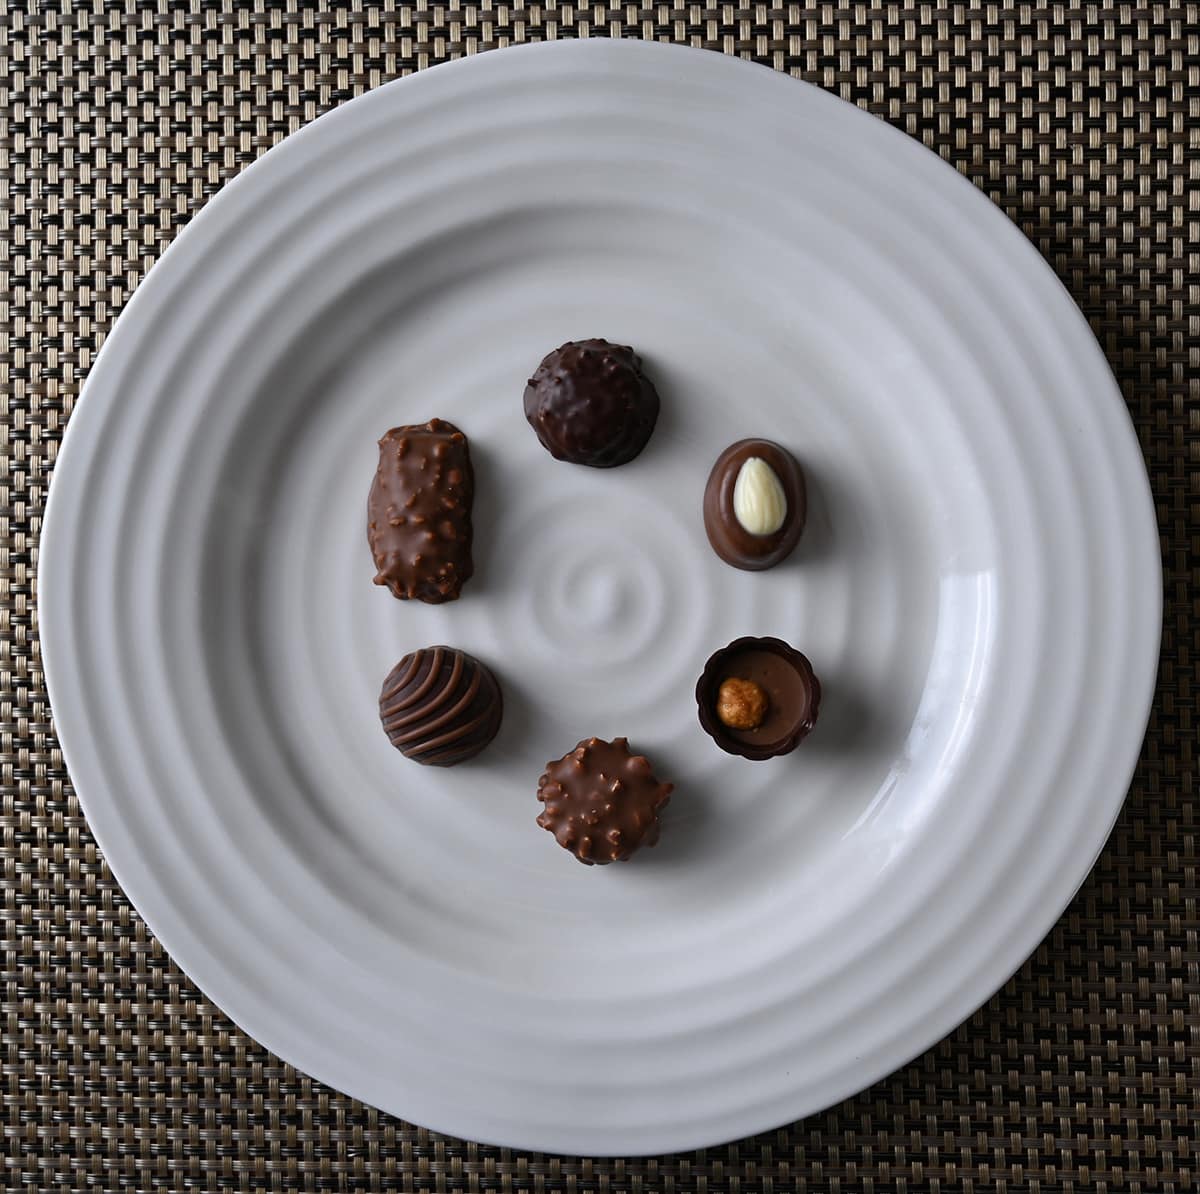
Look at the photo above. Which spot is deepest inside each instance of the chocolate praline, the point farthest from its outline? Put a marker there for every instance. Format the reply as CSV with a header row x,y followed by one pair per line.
x,y
602,801
440,706
792,690
729,538
590,403
419,512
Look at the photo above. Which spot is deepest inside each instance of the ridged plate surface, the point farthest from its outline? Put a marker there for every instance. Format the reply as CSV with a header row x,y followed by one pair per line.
x,y
978,591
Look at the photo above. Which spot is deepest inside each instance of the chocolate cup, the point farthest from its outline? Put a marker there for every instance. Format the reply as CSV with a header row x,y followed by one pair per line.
x,y
793,693
729,539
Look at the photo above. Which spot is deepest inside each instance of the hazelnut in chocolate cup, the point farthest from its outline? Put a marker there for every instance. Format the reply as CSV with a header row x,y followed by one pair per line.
x,y
758,698
754,504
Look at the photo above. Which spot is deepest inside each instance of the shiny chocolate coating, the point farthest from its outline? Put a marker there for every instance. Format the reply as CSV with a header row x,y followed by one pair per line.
x,y
792,690
602,802
729,539
419,512
590,403
440,706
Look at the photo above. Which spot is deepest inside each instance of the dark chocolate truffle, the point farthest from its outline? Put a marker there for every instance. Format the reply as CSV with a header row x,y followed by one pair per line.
x,y
419,512
754,504
781,674
602,802
590,403
440,706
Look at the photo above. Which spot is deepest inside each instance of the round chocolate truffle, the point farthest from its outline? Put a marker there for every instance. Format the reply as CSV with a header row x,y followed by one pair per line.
x,y
758,698
754,504
602,802
440,706
590,403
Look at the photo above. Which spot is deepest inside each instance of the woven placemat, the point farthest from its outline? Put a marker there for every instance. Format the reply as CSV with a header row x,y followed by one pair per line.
x,y
121,117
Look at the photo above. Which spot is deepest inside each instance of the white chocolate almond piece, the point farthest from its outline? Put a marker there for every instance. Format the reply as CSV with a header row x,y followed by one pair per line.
x,y
759,502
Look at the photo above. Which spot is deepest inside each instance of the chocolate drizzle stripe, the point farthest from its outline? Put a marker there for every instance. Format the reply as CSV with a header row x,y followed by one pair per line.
x,y
425,683
423,691
429,720
414,662
448,718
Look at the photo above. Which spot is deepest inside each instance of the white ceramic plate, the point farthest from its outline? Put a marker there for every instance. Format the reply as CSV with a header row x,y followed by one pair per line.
x,y
978,590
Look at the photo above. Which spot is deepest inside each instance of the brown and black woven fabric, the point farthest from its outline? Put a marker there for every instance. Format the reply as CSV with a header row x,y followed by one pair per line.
x,y
119,118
